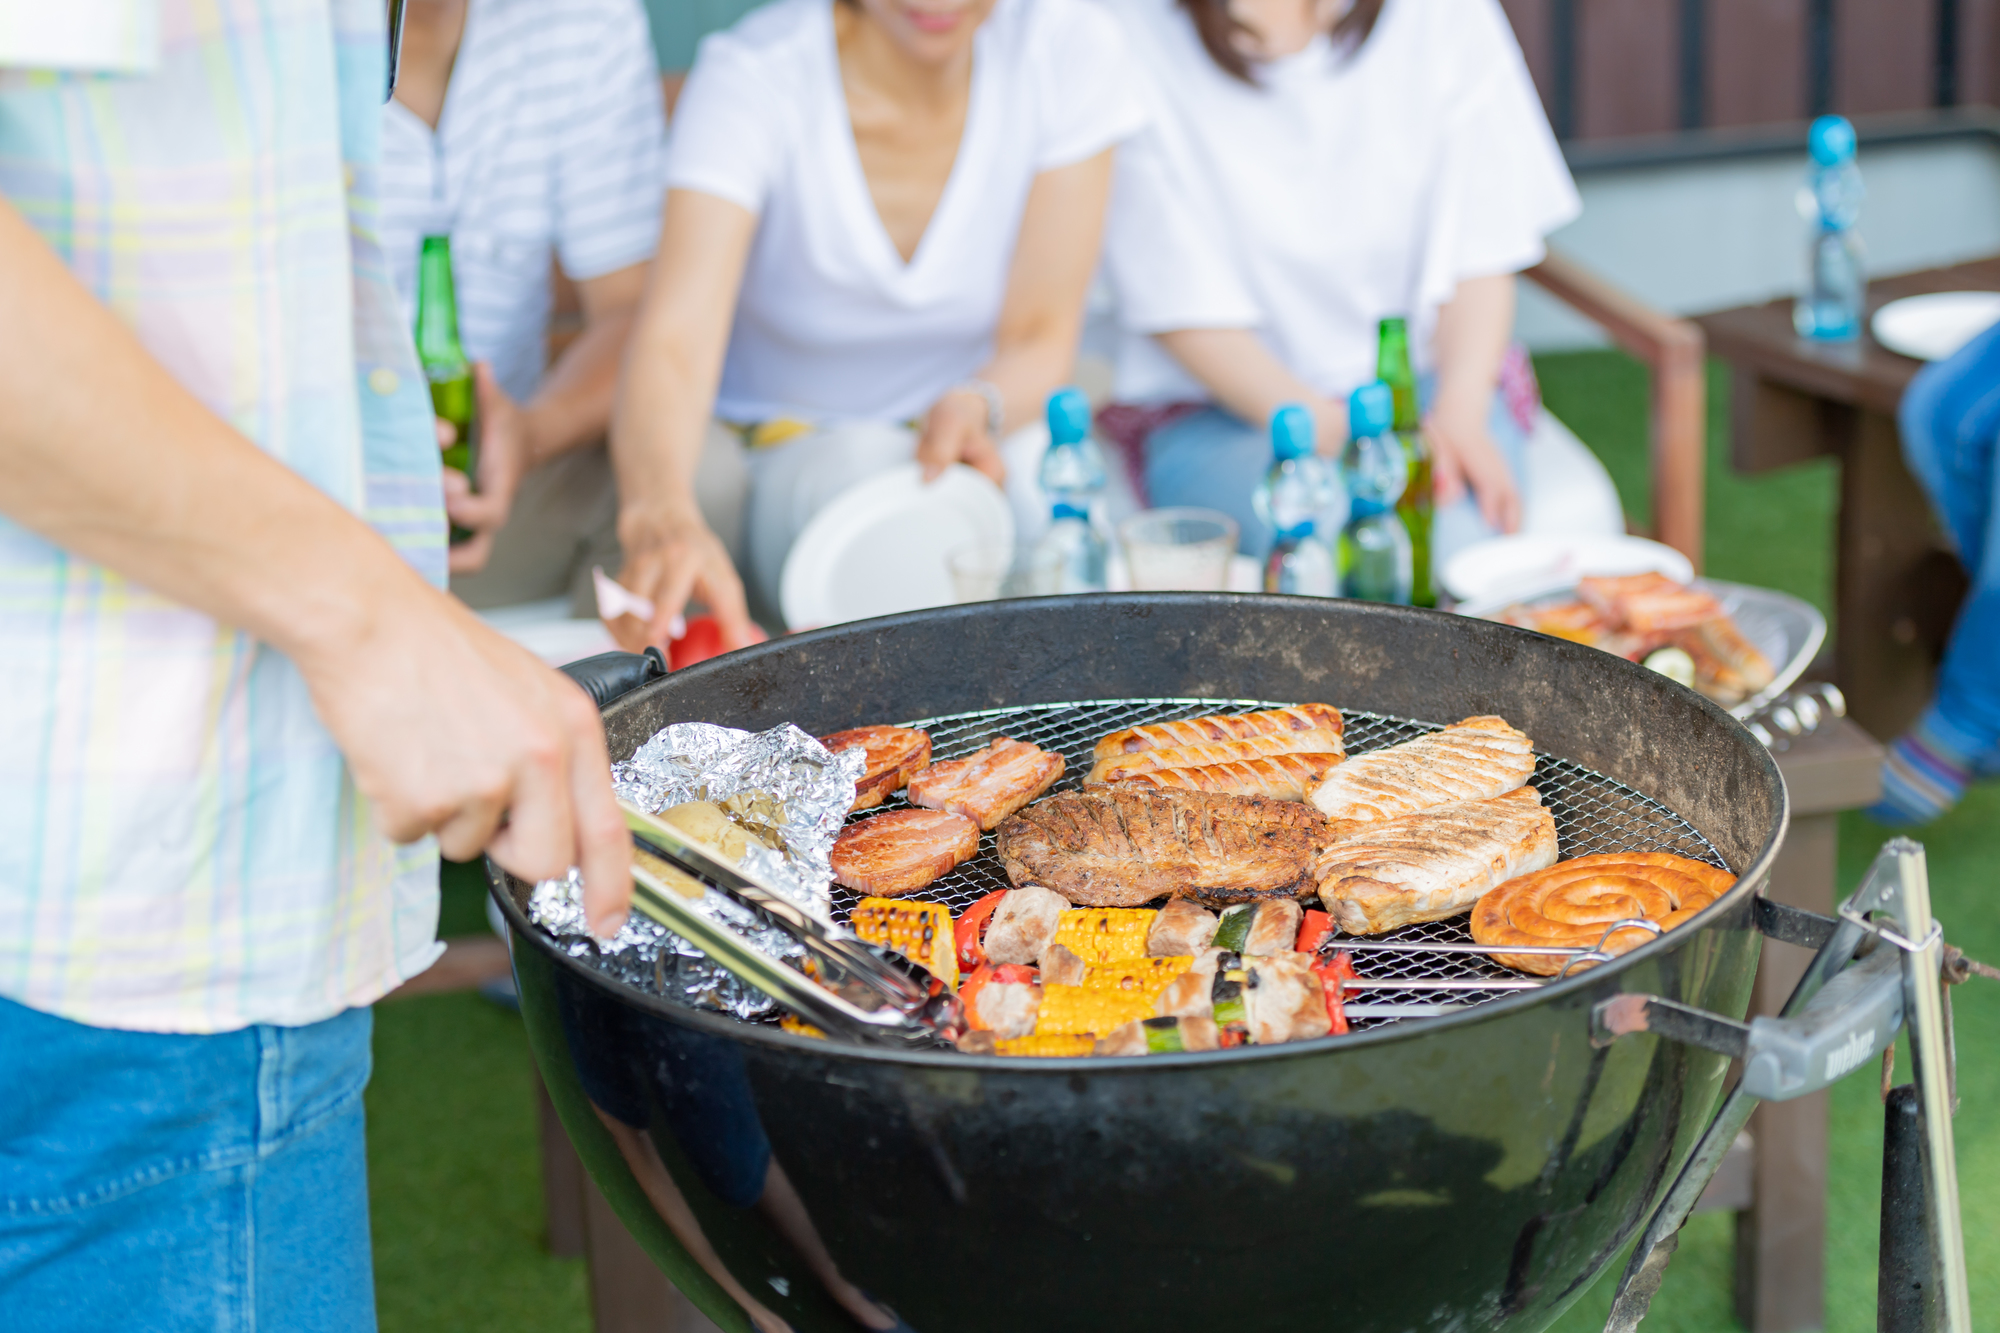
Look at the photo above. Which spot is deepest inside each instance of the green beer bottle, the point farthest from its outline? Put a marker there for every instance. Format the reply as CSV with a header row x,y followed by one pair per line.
x,y
1392,367
445,366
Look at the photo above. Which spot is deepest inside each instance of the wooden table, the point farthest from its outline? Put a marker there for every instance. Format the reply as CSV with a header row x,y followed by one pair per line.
x,y
1897,586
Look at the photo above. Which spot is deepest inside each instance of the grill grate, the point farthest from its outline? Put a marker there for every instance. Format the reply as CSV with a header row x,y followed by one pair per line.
x,y
1593,813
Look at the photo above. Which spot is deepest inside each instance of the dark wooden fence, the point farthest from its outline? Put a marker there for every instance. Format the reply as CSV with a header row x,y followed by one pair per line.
x,y
1609,69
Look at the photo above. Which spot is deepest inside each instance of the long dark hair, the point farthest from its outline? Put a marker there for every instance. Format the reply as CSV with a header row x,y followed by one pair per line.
x,y
1218,30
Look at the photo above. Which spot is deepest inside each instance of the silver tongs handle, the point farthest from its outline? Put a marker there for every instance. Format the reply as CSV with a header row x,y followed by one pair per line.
x,y
863,996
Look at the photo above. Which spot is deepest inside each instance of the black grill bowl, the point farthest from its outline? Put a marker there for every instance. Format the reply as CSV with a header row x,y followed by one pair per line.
x,y
1471,1172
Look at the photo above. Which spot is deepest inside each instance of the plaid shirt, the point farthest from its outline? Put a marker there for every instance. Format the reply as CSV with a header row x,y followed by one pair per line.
x,y
181,846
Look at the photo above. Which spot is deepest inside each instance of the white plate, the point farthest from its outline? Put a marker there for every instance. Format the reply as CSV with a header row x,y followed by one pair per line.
x,y
878,548
1931,328
1507,569
546,629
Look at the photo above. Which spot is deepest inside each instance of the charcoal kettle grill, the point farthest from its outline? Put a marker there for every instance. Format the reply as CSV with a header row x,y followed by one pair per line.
x,y
1471,1156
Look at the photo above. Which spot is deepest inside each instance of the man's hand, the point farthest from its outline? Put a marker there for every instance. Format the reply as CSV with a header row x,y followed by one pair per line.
x,y
672,555
451,729
1463,455
506,452
955,431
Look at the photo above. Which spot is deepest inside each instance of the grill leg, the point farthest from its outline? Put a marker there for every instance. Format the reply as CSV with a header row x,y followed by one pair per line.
x,y
1906,1292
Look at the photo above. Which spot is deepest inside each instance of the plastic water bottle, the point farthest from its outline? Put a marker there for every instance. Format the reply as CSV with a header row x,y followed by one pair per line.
x,y
1831,308
1297,497
1375,557
1072,475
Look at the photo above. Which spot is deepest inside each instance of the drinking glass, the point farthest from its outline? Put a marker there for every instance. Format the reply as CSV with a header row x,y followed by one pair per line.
x,y
1180,549
983,571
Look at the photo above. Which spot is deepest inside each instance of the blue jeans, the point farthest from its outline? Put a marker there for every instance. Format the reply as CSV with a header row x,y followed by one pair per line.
x,y
1214,460
1950,419
183,1183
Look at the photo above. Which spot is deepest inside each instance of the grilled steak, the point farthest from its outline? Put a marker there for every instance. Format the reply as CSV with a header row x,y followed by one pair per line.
x,y
1229,727
1119,847
1467,761
1111,768
889,855
1434,864
990,785
1282,777
895,755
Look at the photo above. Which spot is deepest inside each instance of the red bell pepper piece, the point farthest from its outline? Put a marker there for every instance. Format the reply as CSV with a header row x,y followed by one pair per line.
x,y
1332,973
970,929
702,641
1314,927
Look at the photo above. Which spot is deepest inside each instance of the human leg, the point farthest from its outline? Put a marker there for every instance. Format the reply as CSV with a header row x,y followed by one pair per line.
x,y
211,1182
791,482
1950,422
1212,460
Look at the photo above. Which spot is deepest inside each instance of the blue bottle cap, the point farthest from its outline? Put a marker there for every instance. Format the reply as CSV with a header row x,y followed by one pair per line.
x,y
1063,509
1370,409
1831,140
1069,416
1291,432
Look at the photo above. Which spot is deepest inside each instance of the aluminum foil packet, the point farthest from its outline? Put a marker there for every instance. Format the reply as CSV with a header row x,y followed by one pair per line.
x,y
781,785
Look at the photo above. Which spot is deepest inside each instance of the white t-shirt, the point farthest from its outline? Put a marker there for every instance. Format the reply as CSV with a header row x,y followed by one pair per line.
x,y
1340,189
831,324
551,140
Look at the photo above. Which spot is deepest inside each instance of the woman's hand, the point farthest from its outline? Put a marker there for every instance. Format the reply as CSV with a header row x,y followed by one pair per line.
x,y
671,555
1464,455
506,452
955,431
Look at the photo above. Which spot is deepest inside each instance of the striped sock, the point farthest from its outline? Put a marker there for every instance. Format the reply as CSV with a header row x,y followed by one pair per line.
x,y
1922,777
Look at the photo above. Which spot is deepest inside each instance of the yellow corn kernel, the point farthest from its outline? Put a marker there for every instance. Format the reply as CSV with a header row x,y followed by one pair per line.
x,y
1072,1010
1045,1044
1105,934
920,932
1135,976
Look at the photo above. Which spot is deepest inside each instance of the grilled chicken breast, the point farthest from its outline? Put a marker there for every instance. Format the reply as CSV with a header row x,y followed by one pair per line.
x,y
1434,864
894,756
1220,727
1472,760
1282,777
889,855
1112,768
990,785
1120,847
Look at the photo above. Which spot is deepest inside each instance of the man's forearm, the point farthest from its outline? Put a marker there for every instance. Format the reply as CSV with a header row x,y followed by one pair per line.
x,y
106,455
573,407
1247,377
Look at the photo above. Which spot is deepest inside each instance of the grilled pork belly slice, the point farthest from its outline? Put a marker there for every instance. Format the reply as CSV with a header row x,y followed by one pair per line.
x,y
1434,864
1282,777
1118,847
1023,926
886,856
1181,930
894,756
1221,727
1645,603
1113,768
990,785
1472,760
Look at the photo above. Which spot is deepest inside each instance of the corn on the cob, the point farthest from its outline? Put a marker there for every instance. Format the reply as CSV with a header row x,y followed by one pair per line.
x,y
1135,976
1045,1044
920,932
1078,1009
1105,934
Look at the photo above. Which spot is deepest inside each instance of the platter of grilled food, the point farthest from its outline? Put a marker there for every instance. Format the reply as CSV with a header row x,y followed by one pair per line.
x,y
1739,645
1210,880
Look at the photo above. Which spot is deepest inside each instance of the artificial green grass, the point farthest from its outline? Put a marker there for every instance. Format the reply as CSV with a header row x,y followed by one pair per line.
x,y
453,1159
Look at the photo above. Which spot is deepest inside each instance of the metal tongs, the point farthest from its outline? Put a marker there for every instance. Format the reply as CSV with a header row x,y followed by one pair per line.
x,y
857,991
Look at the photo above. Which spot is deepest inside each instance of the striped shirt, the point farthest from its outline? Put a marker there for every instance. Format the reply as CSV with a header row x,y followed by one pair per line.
x,y
550,142
182,848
